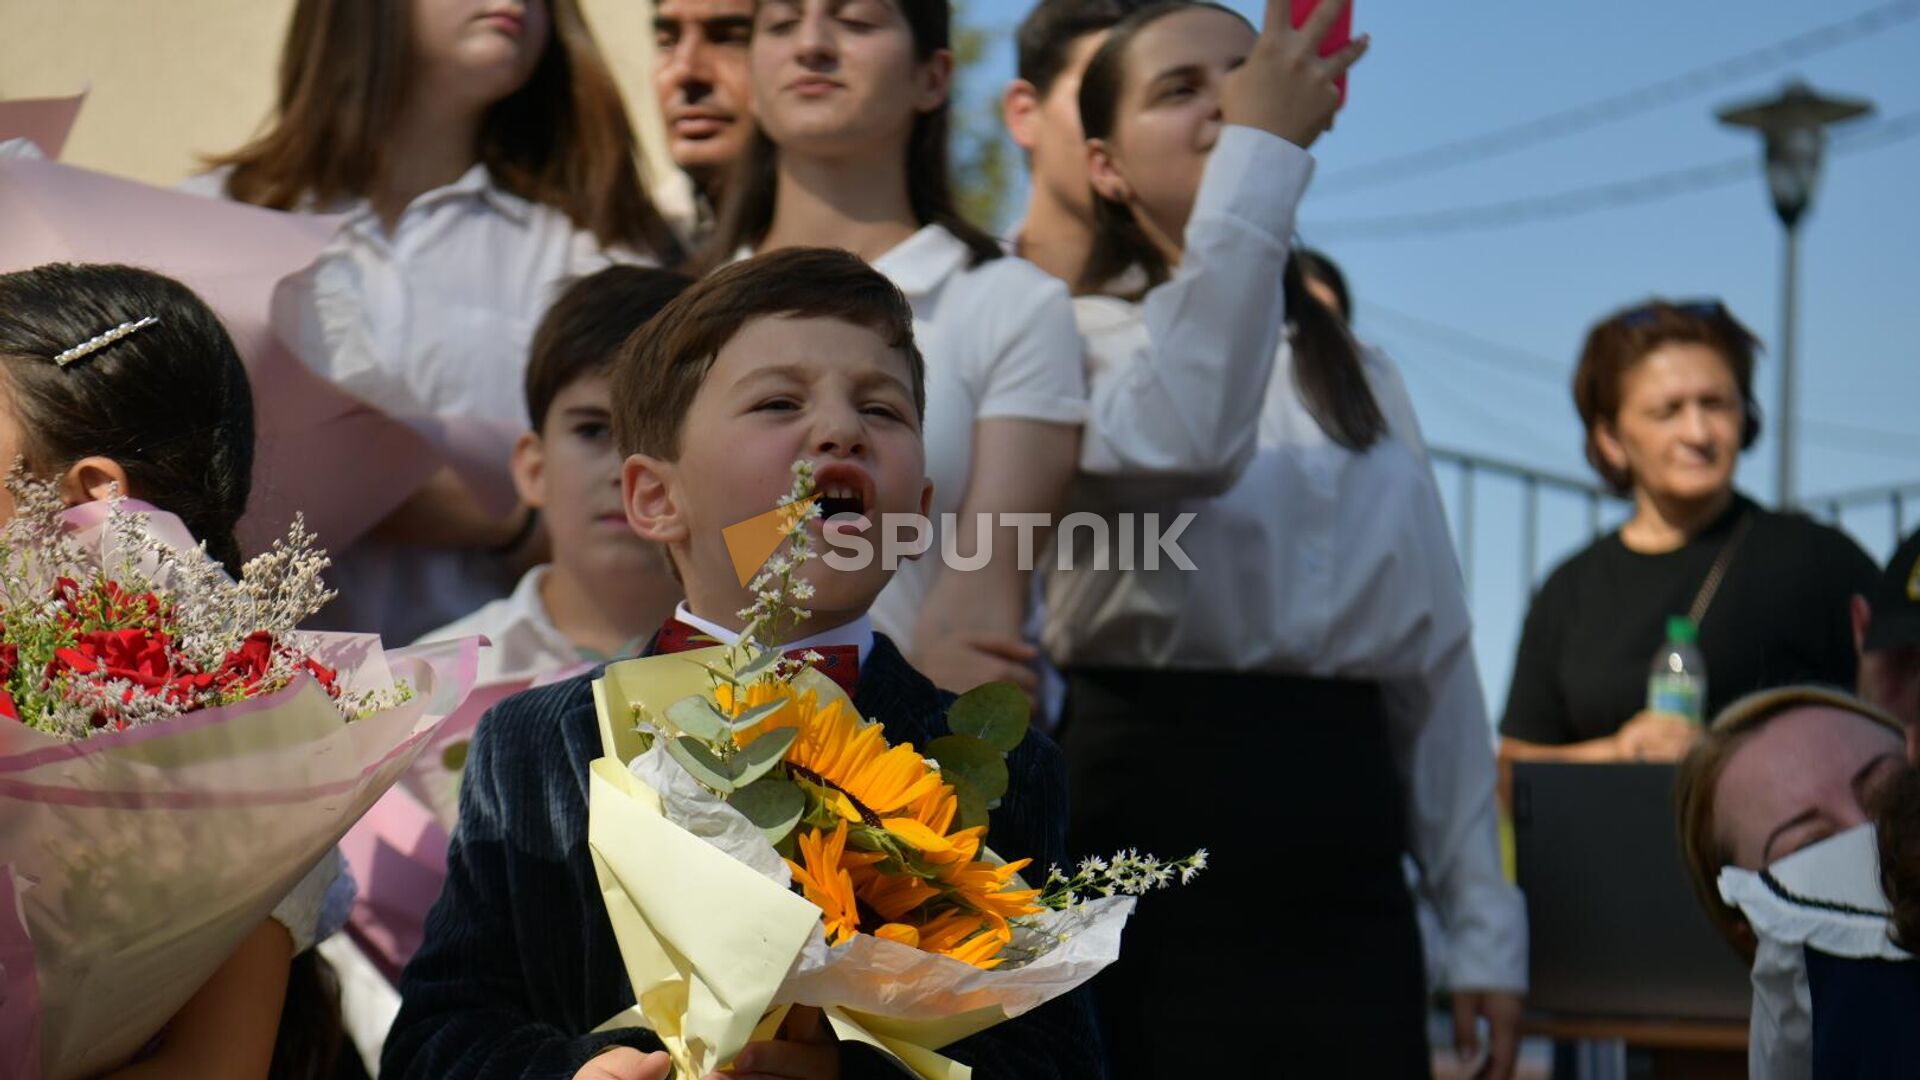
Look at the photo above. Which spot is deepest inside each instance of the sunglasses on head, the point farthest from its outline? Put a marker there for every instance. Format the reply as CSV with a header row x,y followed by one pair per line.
x,y
1699,309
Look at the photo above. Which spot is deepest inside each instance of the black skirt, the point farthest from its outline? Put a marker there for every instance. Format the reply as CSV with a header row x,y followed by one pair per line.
x,y
1296,953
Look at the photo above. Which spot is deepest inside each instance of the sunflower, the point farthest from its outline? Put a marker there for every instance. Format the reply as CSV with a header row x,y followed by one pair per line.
x,y
866,779
967,938
986,889
826,882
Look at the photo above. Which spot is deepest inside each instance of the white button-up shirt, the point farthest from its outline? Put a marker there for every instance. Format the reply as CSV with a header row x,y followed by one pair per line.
x,y
430,322
1309,559
524,641
999,342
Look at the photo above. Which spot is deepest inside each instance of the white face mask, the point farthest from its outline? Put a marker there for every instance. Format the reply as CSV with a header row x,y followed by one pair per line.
x,y
1825,896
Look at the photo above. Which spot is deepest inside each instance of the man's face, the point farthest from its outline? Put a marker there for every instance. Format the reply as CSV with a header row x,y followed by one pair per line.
x,y
706,97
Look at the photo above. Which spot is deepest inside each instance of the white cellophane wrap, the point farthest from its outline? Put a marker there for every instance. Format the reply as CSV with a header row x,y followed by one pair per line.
x,y
133,864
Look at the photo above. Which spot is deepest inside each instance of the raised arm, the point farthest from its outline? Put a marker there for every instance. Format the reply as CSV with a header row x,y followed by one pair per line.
x,y
1175,409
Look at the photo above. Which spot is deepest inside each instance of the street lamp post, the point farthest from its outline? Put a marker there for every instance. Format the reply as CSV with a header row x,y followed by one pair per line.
x,y
1793,128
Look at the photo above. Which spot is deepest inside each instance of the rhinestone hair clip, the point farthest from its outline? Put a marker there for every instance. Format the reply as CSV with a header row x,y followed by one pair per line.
x,y
95,344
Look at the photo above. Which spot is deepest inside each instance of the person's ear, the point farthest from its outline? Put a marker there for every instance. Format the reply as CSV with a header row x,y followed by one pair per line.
x,y
93,478
1103,171
529,468
934,83
1020,112
649,494
1612,450
1860,615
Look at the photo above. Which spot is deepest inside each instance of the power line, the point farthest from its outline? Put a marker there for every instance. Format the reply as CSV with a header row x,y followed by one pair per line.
x,y
1834,435
1578,118
1588,199
1471,345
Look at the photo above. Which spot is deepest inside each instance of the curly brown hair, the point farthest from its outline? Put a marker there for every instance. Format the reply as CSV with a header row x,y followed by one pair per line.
x,y
1618,343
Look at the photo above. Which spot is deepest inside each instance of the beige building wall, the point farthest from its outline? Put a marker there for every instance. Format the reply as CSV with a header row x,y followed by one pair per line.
x,y
171,80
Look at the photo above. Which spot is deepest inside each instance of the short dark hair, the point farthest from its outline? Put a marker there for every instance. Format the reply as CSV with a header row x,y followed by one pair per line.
x,y
661,367
1617,344
169,402
582,332
1048,32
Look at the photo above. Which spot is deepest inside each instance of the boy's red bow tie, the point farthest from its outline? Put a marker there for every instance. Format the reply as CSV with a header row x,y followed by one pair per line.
x,y
841,663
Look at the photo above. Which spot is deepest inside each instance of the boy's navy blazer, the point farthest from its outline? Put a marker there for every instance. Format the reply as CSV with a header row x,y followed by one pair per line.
x,y
519,961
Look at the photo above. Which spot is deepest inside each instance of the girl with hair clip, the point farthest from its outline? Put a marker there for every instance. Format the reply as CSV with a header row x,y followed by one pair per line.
x,y
119,381
1314,627
852,98
481,155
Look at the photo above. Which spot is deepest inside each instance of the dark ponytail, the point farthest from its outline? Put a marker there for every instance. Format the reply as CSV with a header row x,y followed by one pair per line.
x,y
747,214
170,402
1125,262
1898,818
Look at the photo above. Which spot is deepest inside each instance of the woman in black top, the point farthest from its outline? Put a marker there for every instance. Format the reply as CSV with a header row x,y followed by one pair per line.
x,y
1665,392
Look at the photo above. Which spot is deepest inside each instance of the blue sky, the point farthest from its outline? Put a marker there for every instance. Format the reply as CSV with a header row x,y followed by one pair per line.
x,y
1439,72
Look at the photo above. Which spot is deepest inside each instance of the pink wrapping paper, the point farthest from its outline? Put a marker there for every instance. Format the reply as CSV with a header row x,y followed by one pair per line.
x,y
45,122
322,451
19,989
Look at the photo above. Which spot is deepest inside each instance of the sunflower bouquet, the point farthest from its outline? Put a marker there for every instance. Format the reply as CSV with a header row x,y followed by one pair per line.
x,y
856,872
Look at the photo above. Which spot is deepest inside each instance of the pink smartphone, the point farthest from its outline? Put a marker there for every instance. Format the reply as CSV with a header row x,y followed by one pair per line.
x,y
1338,35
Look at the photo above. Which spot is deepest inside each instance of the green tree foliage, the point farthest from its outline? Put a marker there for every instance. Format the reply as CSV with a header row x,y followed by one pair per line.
x,y
982,157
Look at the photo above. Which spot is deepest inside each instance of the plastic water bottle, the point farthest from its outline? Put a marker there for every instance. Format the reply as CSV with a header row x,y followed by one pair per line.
x,y
1677,684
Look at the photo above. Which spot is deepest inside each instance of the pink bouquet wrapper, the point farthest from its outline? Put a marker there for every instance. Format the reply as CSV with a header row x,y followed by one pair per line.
x,y
44,122
398,852
133,864
19,988
234,256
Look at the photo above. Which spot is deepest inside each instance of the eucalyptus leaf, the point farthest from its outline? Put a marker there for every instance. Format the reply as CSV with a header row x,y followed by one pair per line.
x,y
701,763
972,763
758,666
762,754
997,714
718,672
773,805
756,714
697,717
972,810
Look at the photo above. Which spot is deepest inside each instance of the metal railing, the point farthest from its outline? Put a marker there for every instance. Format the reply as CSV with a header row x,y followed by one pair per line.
x,y
1471,468
1854,511
1841,509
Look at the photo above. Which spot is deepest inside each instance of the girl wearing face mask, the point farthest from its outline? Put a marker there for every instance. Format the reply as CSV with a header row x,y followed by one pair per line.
x,y
852,101
1303,687
1777,804
481,155
1666,393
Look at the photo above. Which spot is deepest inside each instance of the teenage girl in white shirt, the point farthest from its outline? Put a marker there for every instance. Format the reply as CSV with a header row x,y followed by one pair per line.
x,y
1303,701
852,101
481,155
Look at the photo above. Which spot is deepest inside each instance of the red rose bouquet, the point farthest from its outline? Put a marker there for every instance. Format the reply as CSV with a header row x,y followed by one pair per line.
x,y
174,757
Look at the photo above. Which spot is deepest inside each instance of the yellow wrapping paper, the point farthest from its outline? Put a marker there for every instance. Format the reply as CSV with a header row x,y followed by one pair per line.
x,y
706,984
